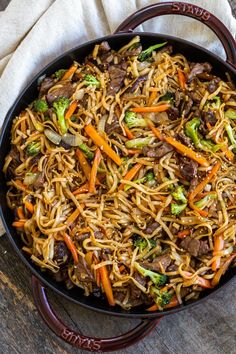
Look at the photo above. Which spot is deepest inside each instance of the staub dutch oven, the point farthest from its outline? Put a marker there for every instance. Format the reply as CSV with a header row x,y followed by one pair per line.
x,y
122,35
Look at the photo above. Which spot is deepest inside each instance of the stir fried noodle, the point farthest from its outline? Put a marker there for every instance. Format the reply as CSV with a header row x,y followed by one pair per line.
x,y
121,176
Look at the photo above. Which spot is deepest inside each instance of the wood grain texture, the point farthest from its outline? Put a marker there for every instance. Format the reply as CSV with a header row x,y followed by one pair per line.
x,y
206,328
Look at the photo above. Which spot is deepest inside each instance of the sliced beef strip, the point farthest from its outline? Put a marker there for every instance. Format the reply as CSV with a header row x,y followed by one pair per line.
x,y
172,268
117,74
151,228
15,162
83,272
104,47
158,263
188,168
188,105
193,184
179,96
82,237
135,292
183,139
45,85
173,113
66,90
195,247
183,102
159,151
198,68
195,96
213,85
207,117
135,85
61,253
114,127
39,182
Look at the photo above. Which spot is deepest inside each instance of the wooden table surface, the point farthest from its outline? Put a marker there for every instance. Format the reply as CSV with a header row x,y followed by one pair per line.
x,y
209,327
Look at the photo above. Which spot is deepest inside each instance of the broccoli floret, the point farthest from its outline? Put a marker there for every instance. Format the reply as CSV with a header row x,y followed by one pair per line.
x,y
91,80
138,181
60,73
230,133
33,148
217,103
40,106
177,209
179,195
230,113
191,128
158,279
88,153
137,143
202,203
150,176
142,243
132,120
60,107
145,54
169,96
161,298
214,103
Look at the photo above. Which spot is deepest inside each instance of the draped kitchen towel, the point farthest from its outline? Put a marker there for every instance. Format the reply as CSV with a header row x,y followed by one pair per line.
x,y
33,33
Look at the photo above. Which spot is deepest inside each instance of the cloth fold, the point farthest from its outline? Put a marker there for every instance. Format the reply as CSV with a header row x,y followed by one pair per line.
x,y
50,27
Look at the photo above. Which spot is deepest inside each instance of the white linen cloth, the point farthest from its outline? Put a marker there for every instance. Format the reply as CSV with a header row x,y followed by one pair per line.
x,y
33,33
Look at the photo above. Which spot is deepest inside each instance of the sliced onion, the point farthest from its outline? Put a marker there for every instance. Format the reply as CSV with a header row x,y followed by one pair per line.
x,y
102,123
72,140
40,79
79,94
52,136
30,178
142,65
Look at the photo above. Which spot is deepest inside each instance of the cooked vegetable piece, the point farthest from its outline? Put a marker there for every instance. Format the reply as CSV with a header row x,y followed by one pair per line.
x,y
106,284
132,120
130,174
91,80
100,142
161,298
160,108
230,113
33,148
86,151
145,54
94,170
138,143
71,247
60,107
187,151
40,106
142,243
176,209
60,73
158,279
179,195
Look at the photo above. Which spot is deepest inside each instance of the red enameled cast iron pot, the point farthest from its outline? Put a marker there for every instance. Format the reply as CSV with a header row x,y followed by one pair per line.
x,y
123,34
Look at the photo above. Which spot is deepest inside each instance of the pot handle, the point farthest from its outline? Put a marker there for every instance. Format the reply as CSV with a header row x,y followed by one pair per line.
x,y
189,10
78,340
